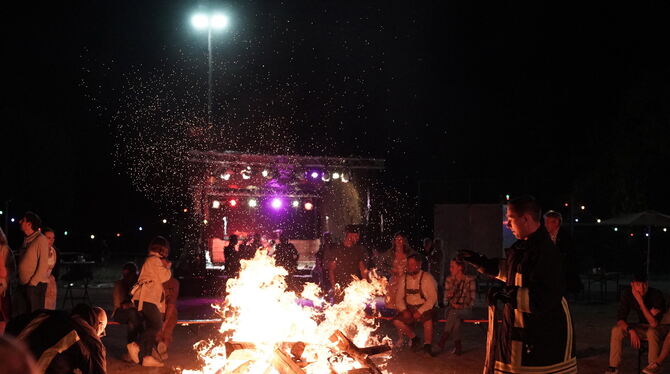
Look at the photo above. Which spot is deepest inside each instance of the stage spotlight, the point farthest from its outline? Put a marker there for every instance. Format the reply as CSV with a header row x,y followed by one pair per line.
x,y
336,175
246,173
295,203
225,176
118,234
265,173
309,206
216,204
276,203
253,203
326,176
140,228
164,220
232,202
92,236
344,178
65,233
314,174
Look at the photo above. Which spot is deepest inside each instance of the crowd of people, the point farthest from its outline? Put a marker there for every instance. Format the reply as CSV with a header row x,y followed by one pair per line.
x,y
38,338
535,278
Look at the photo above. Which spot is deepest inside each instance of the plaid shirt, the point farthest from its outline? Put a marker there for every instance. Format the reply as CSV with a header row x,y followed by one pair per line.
x,y
459,294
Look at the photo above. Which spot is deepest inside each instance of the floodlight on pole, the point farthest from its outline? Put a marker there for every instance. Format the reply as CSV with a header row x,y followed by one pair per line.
x,y
214,21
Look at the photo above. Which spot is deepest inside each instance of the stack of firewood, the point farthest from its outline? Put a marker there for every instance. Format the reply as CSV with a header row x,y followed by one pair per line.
x,y
294,362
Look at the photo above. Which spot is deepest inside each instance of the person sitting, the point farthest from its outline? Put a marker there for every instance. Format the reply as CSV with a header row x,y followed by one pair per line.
x,y
655,366
416,300
15,357
125,311
649,304
149,298
459,297
164,337
64,343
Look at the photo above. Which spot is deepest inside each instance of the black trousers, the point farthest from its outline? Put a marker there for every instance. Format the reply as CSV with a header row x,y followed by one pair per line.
x,y
30,298
132,318
153,323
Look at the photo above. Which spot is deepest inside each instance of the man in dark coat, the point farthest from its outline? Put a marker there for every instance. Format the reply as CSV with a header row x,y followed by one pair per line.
x,y
536,335
232,257
63,343
564,243
345,261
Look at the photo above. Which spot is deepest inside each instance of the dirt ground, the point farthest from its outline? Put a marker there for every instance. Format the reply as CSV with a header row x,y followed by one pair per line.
x,y
593,321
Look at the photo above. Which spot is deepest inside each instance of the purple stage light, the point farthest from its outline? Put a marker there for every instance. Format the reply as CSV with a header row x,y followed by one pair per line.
x,y
314,174
276,203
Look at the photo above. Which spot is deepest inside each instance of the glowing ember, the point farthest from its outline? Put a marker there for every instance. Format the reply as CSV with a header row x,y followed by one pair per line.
x,y
270,320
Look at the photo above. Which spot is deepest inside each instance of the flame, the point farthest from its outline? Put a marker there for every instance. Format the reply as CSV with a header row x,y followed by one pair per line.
x,y
259,309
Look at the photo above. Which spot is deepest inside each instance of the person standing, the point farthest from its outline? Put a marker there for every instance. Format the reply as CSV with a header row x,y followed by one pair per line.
x,y
7,268
564,243
346,261
54,258
231,256
319,271
435,260
286,256
392,264
536,334
33,265
149,298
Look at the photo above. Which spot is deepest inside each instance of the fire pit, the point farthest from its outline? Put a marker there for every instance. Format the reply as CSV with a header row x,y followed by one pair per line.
x,y
266,329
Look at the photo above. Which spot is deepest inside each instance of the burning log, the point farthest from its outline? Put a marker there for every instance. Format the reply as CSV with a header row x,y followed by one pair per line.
x,y
348,347
233,346
284,364
375,349
297,350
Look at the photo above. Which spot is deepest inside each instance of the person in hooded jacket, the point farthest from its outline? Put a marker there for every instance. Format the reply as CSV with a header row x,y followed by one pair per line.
x,y
149,298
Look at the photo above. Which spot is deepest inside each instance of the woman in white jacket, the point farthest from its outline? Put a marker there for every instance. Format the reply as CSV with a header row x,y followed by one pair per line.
x,y
149,298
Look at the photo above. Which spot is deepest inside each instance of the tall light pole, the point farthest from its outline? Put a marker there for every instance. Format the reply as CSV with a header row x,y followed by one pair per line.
x,y
209,22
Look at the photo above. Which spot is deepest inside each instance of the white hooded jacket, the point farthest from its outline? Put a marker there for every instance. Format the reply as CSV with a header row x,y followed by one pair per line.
x,y
149,286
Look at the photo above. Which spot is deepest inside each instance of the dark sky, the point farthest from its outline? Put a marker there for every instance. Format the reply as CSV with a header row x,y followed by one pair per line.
x,y
468,101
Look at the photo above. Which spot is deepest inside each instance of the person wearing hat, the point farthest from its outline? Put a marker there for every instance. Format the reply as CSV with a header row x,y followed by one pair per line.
x,y
345,261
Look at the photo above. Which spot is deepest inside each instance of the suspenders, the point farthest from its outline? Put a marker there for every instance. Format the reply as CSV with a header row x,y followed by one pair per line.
x,y
413,291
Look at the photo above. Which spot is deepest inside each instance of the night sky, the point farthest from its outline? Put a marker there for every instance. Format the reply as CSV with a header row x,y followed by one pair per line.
x,y
466,102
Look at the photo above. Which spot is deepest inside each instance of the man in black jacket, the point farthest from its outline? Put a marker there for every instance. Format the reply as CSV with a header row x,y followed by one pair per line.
x,y
565,245
649,305
536,334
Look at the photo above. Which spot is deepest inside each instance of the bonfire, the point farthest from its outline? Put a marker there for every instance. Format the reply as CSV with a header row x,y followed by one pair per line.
x,y
269,329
